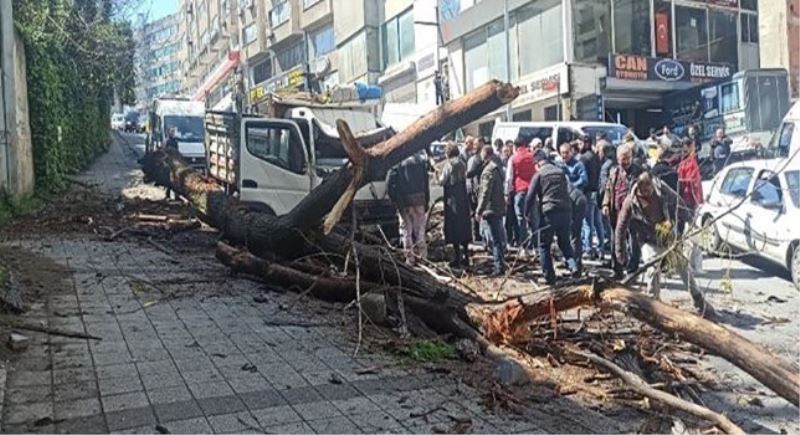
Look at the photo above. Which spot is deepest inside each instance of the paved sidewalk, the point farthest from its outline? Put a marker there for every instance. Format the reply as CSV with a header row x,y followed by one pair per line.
x,y
185,346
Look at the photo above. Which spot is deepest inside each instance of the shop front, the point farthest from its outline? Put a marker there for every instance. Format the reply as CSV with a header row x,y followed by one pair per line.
x,y
635,88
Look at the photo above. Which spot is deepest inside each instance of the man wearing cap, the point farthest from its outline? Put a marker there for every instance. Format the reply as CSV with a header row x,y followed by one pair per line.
x,y
519,173
548,194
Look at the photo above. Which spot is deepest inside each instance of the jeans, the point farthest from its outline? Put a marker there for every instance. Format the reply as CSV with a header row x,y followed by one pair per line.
x,y
519,209
593,224
494,230
413,221
558,224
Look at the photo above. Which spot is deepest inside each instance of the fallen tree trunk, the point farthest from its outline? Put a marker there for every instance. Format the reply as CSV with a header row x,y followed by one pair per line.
x,y
500,323
288,235
326,288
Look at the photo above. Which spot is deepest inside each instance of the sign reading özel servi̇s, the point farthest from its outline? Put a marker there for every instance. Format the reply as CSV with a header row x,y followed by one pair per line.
x,y
633,67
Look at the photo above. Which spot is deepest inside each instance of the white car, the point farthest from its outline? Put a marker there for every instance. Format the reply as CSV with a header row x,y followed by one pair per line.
x,y
764,196
117,121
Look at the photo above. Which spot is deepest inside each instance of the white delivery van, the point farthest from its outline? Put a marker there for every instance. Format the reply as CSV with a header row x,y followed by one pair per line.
x,y
786,141
560,132
186,117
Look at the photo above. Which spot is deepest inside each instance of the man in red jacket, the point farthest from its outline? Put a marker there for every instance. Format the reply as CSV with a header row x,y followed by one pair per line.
x,y
690,186
519,173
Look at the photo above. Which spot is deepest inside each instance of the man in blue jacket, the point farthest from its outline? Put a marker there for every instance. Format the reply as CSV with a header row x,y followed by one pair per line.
x,y
576,171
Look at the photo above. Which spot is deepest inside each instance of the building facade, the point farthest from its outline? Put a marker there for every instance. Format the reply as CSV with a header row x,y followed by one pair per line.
x,y
611,60
779,30
318,44
159,58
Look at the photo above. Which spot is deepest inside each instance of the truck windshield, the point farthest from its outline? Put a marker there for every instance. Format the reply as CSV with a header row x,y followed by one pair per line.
x,y
187,128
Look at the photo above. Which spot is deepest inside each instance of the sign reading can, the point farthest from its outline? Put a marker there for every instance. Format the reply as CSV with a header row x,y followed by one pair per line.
x,y
633,67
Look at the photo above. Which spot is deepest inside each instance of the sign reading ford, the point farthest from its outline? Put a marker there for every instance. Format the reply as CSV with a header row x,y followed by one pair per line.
x,y
633,67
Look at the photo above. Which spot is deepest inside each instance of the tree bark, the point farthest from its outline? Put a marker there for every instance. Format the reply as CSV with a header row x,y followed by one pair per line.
x,y
288,235
501,323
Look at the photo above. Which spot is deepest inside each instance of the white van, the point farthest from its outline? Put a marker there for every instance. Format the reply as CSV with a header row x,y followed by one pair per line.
x,y
786,141
187,118
559,132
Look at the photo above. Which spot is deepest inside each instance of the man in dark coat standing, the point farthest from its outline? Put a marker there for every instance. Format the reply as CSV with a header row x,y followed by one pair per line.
x,y
408,188
457,229
549,194
491,208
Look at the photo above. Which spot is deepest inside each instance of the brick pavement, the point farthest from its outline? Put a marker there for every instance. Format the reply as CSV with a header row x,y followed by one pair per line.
x,y
185,346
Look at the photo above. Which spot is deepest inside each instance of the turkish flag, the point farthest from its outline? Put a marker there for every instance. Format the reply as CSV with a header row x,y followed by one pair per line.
x,y
662,33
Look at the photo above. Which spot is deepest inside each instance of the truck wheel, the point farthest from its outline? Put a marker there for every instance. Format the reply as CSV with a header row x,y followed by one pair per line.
x,y
794,266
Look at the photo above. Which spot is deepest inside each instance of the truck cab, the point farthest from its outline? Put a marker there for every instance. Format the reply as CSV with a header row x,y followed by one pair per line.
x,y
186,117
786,140
273,163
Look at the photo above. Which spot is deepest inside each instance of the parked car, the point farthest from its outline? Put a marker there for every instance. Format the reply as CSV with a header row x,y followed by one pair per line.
x,y
117,121
132,124
764,196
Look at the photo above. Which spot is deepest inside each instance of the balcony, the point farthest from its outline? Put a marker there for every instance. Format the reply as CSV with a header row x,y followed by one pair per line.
x,y
284,21
314,12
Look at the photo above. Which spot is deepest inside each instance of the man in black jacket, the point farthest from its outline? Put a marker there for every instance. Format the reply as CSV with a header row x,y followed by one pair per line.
x,y
548,194
408,188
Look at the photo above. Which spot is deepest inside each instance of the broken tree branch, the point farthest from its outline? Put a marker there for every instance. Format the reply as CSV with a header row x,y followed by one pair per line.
x,y
641,387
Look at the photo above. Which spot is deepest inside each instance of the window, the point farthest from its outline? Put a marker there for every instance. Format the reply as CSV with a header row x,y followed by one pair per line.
x,y
249,34
749,28
692,39
632,27
736,182
592,24
525,115
280,13
353,63
730,97
551,113
784,138
542,133
767,192
308,3
397,38
662,17
290,56
793,184
262,71
750,5
566,135
321,42
539,31
279,145
722,37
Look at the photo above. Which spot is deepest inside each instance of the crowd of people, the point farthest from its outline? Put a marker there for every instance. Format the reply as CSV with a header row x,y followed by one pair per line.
x,y
598,201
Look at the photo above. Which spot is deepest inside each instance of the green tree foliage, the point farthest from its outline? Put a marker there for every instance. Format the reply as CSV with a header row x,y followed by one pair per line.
x,y
77,57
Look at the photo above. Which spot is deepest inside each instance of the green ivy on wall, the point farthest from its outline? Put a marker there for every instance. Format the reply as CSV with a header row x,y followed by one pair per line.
x,y
76,57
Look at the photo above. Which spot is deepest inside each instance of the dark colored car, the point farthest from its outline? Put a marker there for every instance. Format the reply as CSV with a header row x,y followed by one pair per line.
x,y
132,123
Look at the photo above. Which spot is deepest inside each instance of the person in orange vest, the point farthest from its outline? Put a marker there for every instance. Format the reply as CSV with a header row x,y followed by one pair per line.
x,y
519,173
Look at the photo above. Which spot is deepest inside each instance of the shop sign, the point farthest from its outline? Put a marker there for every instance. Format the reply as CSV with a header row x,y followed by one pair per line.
x,y
292,80
632,67
542,85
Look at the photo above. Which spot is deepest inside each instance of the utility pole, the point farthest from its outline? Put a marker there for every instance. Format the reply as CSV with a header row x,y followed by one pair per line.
x,y
507,25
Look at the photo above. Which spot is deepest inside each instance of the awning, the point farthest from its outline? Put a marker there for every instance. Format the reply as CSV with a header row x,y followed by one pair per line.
x,y
216,76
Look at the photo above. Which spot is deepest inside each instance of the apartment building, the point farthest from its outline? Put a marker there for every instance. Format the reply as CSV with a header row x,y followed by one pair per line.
x,y
779,33
611,60
322,44
159,57
211,48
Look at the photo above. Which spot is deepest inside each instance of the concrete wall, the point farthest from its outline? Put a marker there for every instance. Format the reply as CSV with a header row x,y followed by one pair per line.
x,y
16,153
779,38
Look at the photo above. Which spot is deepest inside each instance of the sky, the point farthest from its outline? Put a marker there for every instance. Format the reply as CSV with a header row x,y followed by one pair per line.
x,y
157,8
